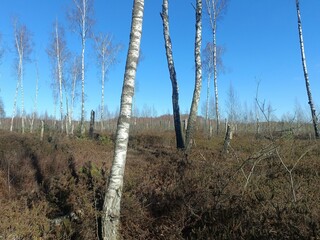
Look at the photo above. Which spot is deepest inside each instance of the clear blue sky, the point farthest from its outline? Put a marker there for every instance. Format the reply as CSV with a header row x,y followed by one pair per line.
x,y
260,38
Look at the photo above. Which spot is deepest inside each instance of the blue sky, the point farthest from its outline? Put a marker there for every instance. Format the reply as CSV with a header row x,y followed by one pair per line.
x,y
260,38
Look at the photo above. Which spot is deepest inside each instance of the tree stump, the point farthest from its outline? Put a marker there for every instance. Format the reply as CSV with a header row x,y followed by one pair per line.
x,y
91,129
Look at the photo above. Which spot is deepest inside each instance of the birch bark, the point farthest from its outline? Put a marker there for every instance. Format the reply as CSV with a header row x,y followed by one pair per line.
x,y
15,101
198,78
207,64
111,207
59,67
23,48
215,81
103,73
35,109
58,54
82,22
106,55
306,77
214,10
22,90
83,43
173,76
76,72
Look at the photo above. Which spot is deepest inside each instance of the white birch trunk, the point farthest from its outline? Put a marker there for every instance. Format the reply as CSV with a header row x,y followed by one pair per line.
x,y
72,101
75,75
82,87
83,41
306,77
59,67
67,118
22,94
35,110
18,43
215,81
15,103
22,44
103,71
111,207
212,12
196,94
208,98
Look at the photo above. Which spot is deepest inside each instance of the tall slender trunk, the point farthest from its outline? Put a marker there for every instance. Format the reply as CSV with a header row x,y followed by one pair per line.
x,y
22,93
23,49
102,92
67,118
173,76
111,206
215,82
83,41
35,110
306,77
73,94
208,98
82,88
59,66
212,11
198,78
15,100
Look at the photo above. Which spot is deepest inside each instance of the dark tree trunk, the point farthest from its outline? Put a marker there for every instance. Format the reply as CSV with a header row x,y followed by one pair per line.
x,y
91,129
173,76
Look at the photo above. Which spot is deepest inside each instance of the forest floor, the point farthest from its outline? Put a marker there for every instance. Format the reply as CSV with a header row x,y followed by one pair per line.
x,y
262,188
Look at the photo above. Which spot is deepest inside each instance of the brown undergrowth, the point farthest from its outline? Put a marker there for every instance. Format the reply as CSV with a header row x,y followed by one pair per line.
x,y
54,189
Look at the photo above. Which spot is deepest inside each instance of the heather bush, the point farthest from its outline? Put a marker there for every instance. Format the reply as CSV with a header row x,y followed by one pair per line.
x,y
54,189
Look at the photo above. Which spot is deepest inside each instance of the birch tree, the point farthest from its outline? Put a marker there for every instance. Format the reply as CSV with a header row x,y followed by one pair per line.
x,y
111,206
81,18
215,9
15,96
305,72
58,54
35,106
76,77
173,75
106,53
233,106
22,42
198,77
207,65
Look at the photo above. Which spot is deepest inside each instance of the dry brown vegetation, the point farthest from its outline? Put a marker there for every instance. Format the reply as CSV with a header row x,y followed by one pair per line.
x,y
54,189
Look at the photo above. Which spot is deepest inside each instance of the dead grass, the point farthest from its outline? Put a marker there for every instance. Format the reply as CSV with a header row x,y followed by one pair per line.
x,y
54,189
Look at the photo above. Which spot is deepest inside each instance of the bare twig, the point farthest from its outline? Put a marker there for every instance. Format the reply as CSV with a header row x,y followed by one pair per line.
x,y
290,170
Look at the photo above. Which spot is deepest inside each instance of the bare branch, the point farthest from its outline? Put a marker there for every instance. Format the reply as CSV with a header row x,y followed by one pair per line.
x,y
81,17
207,63
105,50
57,52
